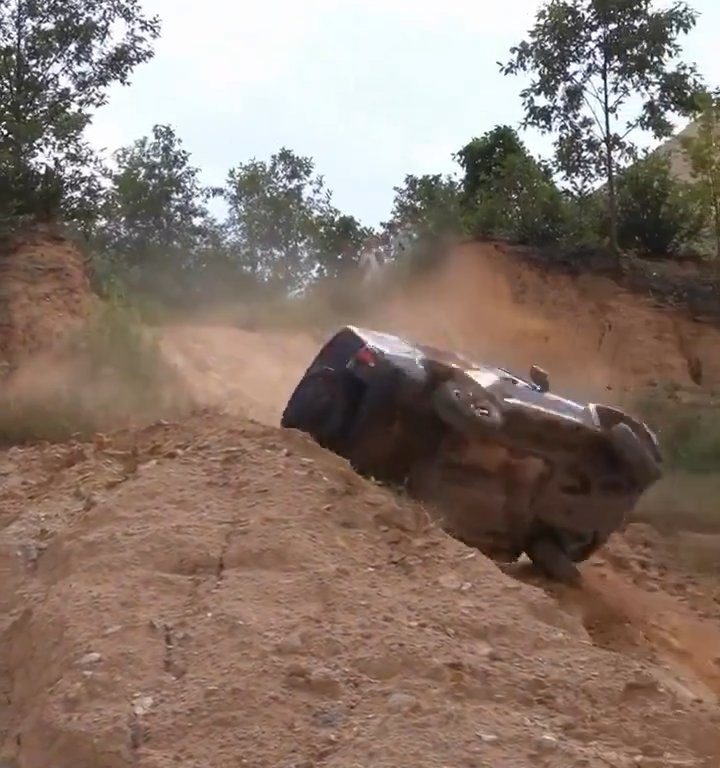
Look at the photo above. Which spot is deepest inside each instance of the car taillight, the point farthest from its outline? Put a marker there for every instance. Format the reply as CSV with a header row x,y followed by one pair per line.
x,y
366,356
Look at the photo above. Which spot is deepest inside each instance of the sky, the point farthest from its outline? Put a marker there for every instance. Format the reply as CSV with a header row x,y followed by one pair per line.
x,y
371,89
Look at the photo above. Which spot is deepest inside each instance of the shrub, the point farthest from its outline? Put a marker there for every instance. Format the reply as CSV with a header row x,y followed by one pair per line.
x,y
657,214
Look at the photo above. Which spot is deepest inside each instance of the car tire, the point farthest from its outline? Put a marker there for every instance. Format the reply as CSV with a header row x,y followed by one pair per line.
x,y
548,556
644,468
579,549
458,411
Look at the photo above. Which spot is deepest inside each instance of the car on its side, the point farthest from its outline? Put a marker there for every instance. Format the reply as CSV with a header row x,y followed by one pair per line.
x,y
508,466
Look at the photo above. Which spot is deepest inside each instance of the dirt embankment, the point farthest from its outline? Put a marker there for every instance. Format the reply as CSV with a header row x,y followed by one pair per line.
x,y
220,592
597,340
44,293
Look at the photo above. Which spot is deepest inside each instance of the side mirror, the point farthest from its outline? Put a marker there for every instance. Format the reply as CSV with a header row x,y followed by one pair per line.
x,y
540,378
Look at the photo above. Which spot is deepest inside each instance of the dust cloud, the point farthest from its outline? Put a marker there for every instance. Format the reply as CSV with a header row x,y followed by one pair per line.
x,y
477,301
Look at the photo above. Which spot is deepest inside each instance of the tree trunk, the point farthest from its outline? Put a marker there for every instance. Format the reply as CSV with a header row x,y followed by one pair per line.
x,y
612,205
716,215
610,167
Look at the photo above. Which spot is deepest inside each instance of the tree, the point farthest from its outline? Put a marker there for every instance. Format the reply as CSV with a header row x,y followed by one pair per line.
x,y
57,60
426,207
155,223
340,239
485,158
702,150
590,60
507,192
657,213
281,223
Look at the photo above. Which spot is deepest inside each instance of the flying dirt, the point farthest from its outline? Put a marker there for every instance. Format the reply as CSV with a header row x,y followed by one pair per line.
x,y
209,589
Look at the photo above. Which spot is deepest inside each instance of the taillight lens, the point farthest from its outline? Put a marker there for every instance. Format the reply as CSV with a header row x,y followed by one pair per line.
x,y
366,356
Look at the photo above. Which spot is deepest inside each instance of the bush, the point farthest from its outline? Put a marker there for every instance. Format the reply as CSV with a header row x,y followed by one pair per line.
x,y
110,372
657,214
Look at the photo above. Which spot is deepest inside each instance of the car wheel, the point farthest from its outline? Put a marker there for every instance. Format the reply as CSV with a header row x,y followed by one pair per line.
x,y
462,411
580,548
645,470
549,557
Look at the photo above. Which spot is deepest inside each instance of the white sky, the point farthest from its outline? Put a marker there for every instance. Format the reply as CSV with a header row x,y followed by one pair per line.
x,y
371,89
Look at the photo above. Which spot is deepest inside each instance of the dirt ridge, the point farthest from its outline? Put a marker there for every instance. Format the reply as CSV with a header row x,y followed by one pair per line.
x,y
218,590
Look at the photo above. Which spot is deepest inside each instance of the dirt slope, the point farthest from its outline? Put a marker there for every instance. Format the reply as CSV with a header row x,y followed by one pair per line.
x,y
220,593
588,332
597,341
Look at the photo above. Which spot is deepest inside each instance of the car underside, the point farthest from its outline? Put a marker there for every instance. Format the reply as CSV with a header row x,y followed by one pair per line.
x,y
506,466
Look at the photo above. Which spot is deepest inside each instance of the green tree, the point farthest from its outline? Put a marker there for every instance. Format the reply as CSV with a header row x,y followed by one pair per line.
x,y
507,192
281,223
155,226
702,149
339,242
486,157
57,60
591,62
657,213
426,207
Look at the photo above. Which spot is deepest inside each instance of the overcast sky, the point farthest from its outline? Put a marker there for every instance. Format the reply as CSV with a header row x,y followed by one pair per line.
x,y
371,89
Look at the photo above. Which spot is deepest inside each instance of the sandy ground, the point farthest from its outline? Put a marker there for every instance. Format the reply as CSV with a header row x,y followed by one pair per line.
x,y
218,592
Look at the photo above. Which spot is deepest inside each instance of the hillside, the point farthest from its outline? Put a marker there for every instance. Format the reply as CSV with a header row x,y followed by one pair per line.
x,y
212,590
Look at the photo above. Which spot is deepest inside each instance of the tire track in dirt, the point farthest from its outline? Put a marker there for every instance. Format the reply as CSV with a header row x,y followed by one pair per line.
x,y
654,626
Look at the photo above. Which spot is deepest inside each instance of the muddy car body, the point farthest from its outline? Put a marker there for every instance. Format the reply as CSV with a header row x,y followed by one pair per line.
x,y
509,466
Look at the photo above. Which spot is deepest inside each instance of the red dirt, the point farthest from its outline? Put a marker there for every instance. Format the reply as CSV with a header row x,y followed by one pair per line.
x,y
44,293
220,592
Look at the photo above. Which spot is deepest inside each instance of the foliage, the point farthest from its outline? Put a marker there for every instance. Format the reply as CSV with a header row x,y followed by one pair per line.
x,y
507,192
155,229
590,60
57,60
703,153
282,226
486,158
657,214
425,206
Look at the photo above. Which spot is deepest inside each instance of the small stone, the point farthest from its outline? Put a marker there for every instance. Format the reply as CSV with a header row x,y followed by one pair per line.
x,y
328,718
548,741
90,658
450,581
488,738
291,644
400,703
141,705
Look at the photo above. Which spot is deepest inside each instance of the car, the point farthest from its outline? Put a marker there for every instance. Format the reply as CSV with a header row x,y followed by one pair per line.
x,y
506,465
